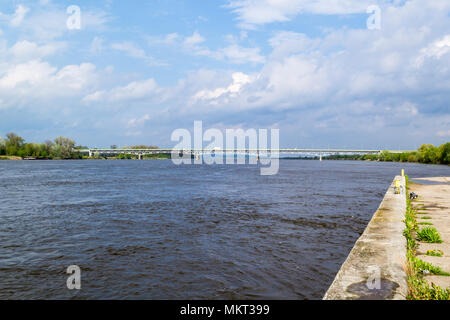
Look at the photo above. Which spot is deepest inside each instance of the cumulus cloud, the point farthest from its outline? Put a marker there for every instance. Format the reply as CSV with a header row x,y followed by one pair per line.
x,y
26,50
239,80
25,82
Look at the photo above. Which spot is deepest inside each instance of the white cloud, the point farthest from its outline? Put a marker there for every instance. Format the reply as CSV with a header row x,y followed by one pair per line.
x,y
26,50
239,80
435,50
15,19
233,53
27,83
136,122
257,12
194,40
46,22
169,39
133,91
19,15
135,52
239,55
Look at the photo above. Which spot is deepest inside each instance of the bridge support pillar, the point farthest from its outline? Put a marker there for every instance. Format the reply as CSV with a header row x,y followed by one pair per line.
x,y
140,156
91,154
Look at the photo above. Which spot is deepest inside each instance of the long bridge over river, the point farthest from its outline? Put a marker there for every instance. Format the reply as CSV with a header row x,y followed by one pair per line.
x,y
251,152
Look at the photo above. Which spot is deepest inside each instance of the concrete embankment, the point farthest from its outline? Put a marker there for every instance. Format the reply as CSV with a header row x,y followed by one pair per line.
x,y
374,268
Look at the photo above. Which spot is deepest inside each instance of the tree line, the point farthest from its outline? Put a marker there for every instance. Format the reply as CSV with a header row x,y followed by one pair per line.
x,y
427,153
60,148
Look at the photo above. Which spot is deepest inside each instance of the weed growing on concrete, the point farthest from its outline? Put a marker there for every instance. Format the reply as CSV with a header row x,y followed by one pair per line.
x,y
426,266
425,223
435,253
429,234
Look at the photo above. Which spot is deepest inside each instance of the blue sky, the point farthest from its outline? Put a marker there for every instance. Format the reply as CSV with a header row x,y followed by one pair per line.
x,y
137,70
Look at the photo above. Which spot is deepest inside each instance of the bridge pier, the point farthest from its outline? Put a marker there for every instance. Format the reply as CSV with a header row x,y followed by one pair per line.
x,y
140,156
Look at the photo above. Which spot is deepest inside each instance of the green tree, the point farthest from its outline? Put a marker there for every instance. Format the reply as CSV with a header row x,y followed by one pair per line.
x,y
2,146
14,144
428,154
444,153
413,157
63,148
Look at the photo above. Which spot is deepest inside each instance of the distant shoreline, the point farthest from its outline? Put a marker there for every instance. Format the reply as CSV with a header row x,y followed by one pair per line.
x,y
10,158
15,158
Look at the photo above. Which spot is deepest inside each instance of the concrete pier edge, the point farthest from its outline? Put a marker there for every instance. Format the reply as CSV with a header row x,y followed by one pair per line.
x,y
375,267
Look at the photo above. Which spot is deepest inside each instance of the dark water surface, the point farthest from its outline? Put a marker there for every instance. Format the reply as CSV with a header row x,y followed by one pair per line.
x,y
152,230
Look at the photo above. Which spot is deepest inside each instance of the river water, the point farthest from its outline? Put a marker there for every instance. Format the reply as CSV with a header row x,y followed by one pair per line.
x,y
153,230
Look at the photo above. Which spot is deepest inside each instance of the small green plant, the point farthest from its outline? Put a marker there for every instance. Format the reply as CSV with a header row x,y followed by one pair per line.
x,y
430,235
425,223
425,218
435,253
421,212
426,266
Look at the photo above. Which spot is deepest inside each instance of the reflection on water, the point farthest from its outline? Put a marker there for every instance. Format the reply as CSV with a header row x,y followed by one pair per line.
x,y
152,230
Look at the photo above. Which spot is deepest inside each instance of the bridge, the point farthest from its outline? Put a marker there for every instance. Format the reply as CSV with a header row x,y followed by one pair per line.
x,y
255,152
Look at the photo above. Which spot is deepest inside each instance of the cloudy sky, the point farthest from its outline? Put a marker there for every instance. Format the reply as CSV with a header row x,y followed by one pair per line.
x,y
137,70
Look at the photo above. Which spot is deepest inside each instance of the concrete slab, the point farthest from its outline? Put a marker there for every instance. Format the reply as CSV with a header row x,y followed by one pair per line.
x,y
435,179
443,282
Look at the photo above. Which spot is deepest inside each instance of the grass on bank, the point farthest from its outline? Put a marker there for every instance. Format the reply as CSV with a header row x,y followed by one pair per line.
x,y
418,287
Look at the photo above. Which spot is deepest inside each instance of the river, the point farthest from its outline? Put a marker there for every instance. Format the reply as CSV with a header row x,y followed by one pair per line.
x,y
152,230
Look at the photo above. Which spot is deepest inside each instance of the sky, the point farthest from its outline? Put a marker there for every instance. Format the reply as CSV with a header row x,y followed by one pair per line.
x,y
135,71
